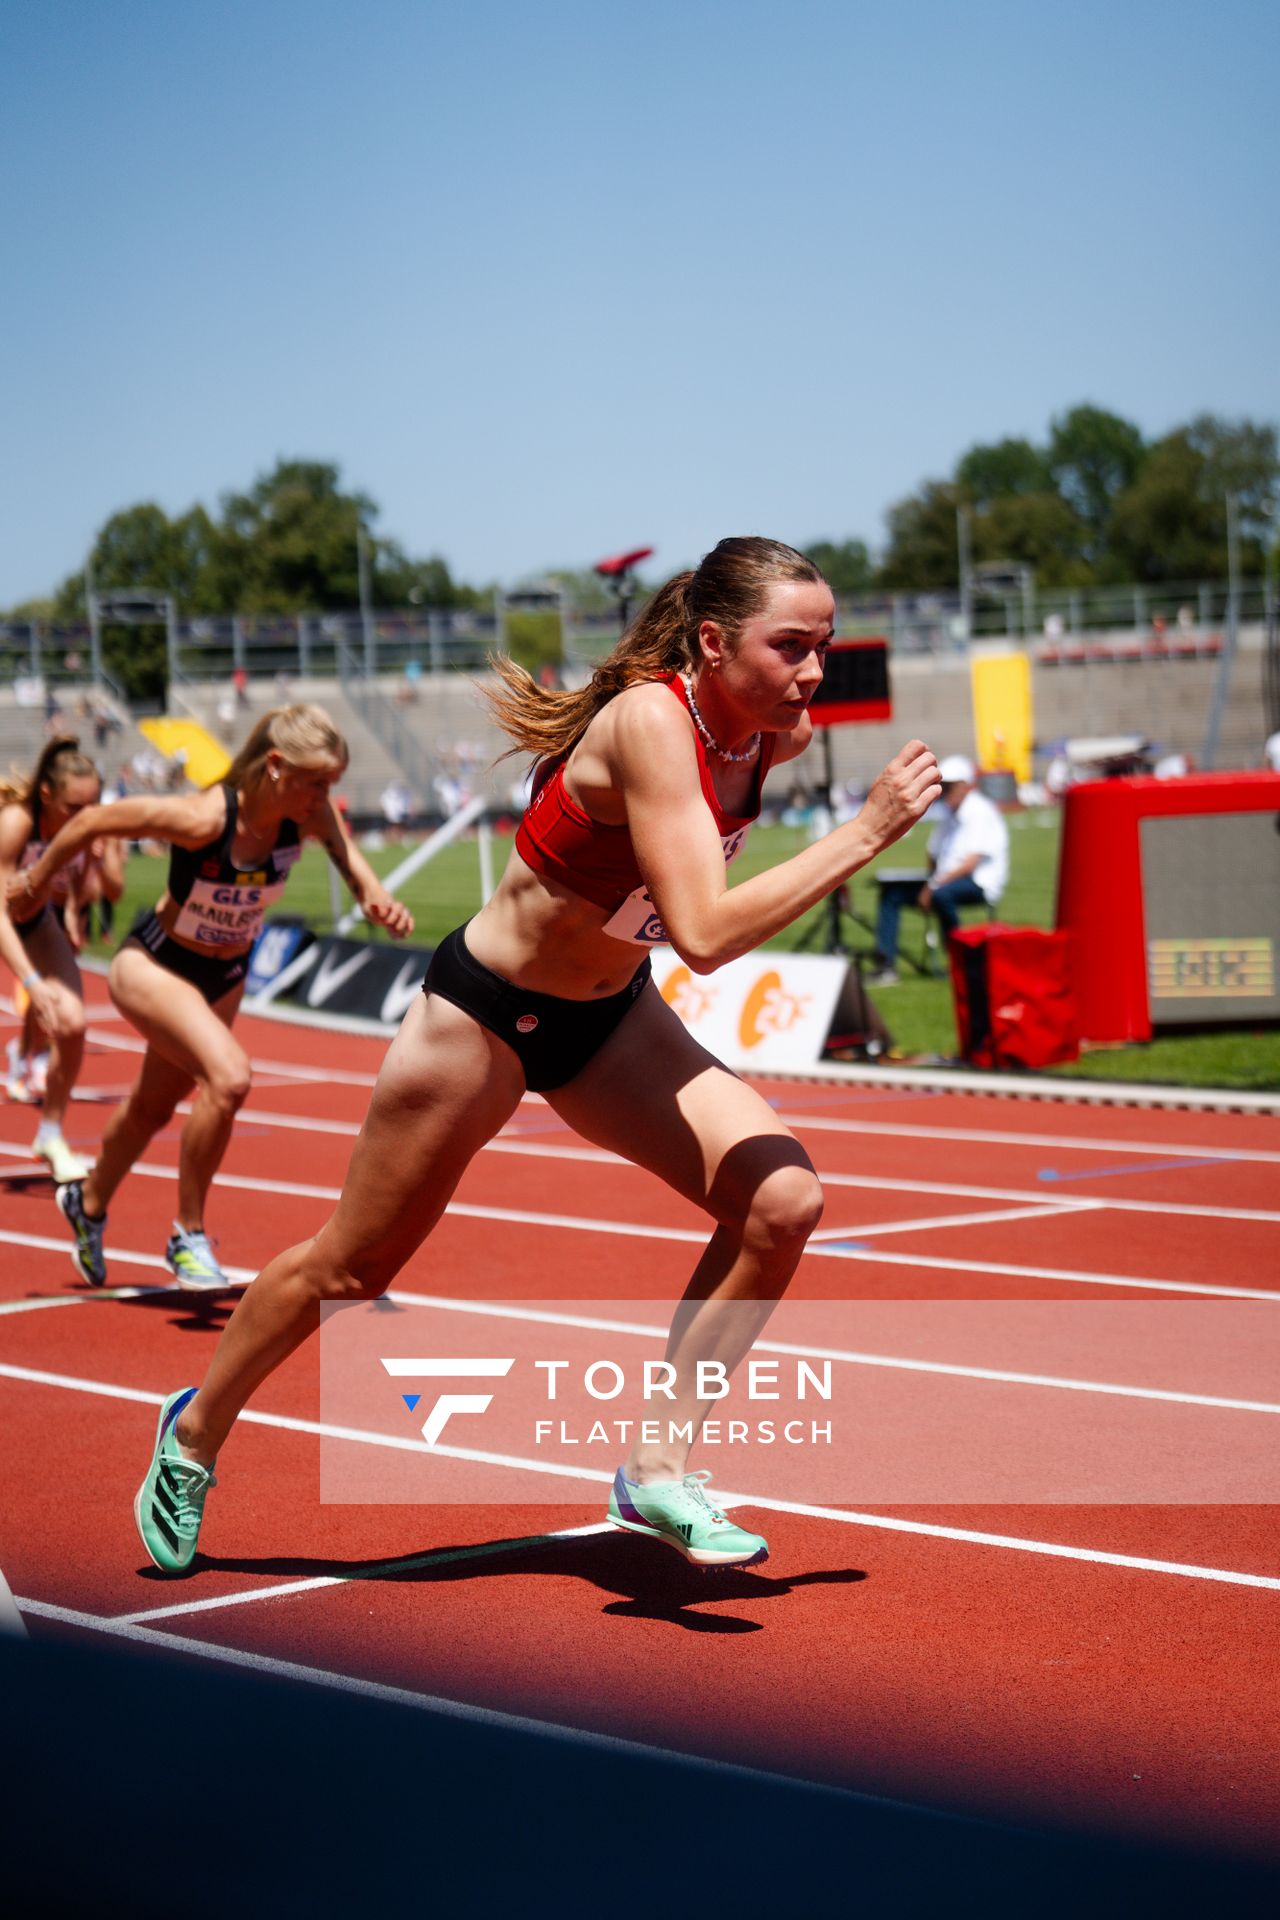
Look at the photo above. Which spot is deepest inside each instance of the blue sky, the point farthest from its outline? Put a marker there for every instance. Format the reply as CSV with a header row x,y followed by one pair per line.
x,y
548,280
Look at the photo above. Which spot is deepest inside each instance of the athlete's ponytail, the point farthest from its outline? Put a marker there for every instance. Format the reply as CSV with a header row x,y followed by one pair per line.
x,y
60,760
728,586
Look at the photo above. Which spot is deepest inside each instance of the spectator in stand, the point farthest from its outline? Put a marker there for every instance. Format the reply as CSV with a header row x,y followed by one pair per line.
x,y
240,685
397,805
968,862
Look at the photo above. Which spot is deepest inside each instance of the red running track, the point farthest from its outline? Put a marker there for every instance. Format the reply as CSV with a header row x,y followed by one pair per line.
x,y
1101,1666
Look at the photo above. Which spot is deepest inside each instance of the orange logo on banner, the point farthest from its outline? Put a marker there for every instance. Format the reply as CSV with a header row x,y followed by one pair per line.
x,y
769,1008
682,993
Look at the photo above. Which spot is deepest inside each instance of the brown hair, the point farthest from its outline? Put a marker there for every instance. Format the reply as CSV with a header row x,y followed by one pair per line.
x,y
728,586
60,761
299,734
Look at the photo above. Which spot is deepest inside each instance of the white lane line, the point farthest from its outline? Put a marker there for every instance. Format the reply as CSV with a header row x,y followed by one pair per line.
x,y
291,1070
348,1130
11,1621
337,1076
842,1516
481,1716
841,1250
985,1136
43,1243
602,1324
590,1323
485,1549
1010,1542
1032,1212
937,1264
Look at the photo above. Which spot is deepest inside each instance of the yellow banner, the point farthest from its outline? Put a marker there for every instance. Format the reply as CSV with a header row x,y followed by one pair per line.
x,y
1002,712
206,761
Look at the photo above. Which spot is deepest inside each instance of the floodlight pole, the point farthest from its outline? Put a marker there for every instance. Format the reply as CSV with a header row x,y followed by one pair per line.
x,y
171,644
95,624
966,572
1226,664
366,607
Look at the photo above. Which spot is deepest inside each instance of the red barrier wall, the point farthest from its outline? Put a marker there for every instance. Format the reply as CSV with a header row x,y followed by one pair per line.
x,y
1100,884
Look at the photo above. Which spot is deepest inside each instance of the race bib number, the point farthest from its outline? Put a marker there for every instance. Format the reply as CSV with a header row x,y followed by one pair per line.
x,y
636,920
215,915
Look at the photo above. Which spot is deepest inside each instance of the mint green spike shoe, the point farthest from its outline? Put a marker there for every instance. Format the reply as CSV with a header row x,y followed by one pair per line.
x,y
170,1502
679,1512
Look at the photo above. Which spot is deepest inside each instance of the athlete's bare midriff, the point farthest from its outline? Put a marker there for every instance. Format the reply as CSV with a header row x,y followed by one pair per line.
x,y
539,935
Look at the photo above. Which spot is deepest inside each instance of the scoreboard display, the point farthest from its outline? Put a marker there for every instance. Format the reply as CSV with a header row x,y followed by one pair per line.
x,y
1170,890
855,684
1211,901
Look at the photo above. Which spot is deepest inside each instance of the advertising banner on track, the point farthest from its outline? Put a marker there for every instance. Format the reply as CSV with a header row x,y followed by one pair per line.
x,y
769,1012
366,978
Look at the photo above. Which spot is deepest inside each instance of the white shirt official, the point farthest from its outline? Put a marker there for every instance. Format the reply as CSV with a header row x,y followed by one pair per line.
x,y
977,826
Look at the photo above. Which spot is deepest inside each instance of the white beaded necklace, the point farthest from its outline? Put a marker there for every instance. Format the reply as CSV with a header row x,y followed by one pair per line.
x,y
708,738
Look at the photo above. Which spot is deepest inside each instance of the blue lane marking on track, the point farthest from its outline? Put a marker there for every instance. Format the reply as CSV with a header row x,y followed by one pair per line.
x,y
1139,1166
411,1400
847,1246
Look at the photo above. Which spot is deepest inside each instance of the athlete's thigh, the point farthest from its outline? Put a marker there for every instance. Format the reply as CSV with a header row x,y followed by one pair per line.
x,y
172,1016
654,1095
446,1086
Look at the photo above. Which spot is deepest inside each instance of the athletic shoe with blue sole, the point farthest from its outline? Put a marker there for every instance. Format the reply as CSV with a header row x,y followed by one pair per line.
x,y
170,1502
679,1513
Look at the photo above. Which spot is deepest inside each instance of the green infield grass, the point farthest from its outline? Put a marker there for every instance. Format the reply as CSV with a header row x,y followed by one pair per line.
x,y
918,1010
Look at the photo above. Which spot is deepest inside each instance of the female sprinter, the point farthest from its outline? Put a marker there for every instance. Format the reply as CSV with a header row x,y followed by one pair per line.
x,y
179,975
648,776
39,945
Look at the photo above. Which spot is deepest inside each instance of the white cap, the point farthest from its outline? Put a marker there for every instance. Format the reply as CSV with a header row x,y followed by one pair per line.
x,y
956,766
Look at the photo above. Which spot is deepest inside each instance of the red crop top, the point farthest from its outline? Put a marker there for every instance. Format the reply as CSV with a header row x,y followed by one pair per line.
x,y
558,838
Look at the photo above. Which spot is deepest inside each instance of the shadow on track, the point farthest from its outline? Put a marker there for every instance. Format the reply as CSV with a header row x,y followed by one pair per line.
x,y
647,1580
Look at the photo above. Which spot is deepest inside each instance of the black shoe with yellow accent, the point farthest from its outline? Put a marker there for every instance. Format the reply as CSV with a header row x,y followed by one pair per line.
x,y
86,1255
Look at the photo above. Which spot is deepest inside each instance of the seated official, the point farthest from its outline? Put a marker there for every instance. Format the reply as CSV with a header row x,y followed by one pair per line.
x,y
968,863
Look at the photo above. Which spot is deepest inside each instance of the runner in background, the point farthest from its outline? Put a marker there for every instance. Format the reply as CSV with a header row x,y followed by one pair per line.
x,y
39,940
179,976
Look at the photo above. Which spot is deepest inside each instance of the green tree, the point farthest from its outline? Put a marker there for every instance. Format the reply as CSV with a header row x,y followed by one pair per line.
x,y
922,551
1241,458
845,565
1039,530
1093,457
1005,469
140,548
291,541
1171,524
402,582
